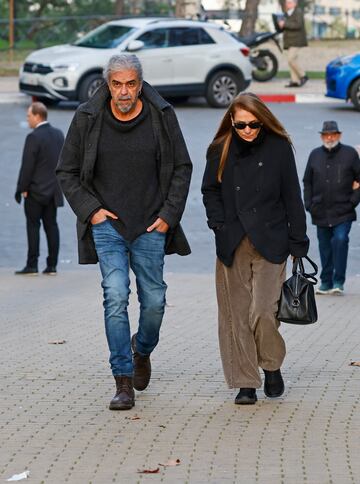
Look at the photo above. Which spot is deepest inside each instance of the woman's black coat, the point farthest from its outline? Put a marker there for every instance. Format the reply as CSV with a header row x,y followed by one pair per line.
x,y
259,196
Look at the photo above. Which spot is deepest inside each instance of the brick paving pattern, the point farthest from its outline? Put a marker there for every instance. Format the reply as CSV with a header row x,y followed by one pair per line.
x,y
54,419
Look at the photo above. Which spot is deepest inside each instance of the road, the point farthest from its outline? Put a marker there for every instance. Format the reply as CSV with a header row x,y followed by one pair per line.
x,y
54,420
303,121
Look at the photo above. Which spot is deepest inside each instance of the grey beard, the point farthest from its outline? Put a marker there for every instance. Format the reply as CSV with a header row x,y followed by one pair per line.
x,y
126,109
331,144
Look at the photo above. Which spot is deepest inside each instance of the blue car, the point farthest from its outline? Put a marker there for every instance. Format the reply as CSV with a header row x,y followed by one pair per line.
x,y
343,79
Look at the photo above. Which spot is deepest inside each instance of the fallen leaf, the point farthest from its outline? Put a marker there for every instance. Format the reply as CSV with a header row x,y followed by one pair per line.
x,y
134,417
171,463
57,342
354,363
162,426
149,471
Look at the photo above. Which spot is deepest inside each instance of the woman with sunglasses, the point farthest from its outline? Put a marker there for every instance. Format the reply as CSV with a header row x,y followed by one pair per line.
x,y
252,198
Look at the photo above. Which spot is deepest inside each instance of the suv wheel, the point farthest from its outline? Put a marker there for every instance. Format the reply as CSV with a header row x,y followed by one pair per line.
x,y
89,86
222,88
355,94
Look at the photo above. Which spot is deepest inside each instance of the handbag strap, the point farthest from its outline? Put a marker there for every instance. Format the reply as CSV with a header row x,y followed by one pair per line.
x,y
298,268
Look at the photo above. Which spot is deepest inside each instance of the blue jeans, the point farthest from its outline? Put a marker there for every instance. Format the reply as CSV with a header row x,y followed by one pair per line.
x,y
333,247
145,256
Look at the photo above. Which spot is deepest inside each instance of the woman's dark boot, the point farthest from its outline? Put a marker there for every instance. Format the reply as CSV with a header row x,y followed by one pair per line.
x,y
246,396
274,384
124,398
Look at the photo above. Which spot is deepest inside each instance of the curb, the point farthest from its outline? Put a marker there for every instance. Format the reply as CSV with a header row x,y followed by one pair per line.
x,y
13,98
298,98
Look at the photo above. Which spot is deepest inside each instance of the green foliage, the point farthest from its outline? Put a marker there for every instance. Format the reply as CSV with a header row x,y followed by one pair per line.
x,y
43,8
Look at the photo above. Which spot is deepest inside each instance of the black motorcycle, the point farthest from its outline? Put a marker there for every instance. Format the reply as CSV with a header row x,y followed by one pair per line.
x,y
264,61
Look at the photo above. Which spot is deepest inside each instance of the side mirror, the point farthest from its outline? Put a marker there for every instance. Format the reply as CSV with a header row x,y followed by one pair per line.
x,y
135,45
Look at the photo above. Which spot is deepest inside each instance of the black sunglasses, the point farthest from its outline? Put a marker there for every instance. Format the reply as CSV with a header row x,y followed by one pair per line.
x,y
252,125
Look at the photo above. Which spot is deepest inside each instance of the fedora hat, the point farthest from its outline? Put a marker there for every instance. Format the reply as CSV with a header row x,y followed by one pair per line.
x,y
330,127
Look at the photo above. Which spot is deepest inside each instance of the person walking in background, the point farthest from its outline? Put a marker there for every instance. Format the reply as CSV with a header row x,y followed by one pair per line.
x,y
125,171
253,203
331,193
38,185
293,26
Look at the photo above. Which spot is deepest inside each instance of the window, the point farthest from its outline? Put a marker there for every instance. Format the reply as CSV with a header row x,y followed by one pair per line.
x,y
105,37
182,36
155,39
205,37
319,10
335,11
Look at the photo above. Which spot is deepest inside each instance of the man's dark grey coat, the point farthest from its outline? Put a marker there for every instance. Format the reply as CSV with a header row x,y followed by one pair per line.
x,y
75,170
328,180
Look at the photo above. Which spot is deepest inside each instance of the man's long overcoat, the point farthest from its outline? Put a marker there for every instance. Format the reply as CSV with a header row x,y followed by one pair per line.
x,y
78,157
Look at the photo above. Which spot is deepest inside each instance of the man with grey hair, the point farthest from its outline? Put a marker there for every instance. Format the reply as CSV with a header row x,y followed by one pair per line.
x,y
331,193
125,171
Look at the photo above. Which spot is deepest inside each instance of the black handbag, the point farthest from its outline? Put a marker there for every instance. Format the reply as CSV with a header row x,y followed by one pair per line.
x,y
297,301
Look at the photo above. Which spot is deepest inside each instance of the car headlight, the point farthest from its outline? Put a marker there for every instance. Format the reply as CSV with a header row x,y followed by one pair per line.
x,y
57,67
343,61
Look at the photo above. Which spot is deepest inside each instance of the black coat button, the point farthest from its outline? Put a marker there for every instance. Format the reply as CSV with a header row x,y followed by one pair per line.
x,y
237,189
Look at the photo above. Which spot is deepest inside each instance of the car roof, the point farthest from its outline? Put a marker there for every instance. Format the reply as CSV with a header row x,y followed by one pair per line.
x,y
141,22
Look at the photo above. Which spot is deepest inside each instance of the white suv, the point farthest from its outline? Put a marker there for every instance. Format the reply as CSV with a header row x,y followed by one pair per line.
x,y
180,58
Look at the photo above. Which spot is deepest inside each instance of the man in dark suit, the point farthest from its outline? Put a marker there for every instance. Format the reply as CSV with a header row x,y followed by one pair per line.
x,y
38,185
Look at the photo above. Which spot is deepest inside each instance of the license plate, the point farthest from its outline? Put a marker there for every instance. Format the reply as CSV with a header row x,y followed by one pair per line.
x,y
29,79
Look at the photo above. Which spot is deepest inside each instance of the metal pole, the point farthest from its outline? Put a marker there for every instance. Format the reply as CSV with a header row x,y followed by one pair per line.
x,y
11,30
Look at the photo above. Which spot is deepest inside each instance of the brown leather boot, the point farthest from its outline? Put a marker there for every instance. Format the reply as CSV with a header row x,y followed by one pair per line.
x,y
142,367
124,398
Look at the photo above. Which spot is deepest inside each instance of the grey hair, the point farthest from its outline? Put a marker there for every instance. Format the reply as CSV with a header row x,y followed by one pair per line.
x,y
123,62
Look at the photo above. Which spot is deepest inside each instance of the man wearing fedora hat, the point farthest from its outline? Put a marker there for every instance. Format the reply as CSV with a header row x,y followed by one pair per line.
x,y
331,193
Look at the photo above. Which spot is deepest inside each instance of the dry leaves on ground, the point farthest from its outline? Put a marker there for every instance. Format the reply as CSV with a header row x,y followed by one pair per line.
x,y
57,342
149,471
354,363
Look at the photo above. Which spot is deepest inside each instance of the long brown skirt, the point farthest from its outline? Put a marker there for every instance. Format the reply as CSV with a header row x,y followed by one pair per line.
x,y
248,293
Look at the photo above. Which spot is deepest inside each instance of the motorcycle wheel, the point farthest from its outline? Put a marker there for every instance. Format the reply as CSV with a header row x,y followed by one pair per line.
x,y
265,65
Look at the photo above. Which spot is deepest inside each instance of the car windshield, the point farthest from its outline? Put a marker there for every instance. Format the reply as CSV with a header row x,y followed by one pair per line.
x,y
105,37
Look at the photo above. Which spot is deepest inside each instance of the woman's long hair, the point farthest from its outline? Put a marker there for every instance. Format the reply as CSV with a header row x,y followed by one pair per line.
x,y
251,103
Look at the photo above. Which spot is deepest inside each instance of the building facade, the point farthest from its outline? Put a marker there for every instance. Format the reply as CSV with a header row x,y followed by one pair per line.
x,y
324,18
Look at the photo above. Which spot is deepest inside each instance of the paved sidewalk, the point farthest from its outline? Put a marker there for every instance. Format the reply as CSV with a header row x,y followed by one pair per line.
x,y
55,423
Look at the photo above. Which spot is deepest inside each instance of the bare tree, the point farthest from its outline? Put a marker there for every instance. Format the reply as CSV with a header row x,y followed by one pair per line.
x,y
187,8
119,7
250,17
